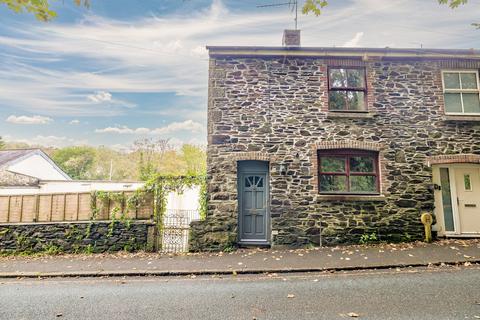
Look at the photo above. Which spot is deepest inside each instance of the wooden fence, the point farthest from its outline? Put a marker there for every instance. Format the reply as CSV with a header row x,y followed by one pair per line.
x,y
67,207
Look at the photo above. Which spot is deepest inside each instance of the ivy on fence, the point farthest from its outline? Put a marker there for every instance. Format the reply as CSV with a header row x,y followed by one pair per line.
x,y
158,186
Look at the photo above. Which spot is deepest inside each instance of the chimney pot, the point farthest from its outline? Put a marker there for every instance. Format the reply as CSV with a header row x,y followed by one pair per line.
x,y
291,38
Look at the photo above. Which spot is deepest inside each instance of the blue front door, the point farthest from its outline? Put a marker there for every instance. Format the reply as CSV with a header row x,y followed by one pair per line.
x,y
253,215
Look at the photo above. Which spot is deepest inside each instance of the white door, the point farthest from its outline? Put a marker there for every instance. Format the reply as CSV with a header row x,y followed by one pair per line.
x,y
467,183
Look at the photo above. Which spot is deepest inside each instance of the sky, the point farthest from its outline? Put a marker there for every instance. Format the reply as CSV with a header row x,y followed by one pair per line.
x,y
124,70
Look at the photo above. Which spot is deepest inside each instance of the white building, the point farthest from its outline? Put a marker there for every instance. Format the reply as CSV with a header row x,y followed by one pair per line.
x,y
32,171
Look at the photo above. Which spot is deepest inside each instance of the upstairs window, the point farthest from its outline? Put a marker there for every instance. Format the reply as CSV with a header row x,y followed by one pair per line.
x,y
346,171
461,92
347,89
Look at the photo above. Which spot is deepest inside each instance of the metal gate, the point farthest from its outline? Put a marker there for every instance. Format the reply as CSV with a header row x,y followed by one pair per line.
x,y
176,229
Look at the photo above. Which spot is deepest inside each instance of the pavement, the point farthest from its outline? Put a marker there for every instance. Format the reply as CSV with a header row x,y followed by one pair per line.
x,y
245,261
448,292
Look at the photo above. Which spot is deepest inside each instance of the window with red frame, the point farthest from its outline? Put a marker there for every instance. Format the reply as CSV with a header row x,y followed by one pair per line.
x,y
348,172
347,89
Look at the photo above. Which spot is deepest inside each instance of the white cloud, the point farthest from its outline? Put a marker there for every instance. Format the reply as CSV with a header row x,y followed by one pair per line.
x,y
29,120
177,143
354,41
106,98
123,130
187,125
74,122
121,148
100,96
47,141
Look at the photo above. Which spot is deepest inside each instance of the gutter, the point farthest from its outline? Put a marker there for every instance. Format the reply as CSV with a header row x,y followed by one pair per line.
x,y
363,53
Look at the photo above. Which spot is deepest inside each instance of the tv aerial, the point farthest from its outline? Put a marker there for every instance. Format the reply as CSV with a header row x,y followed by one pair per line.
x,y
292,4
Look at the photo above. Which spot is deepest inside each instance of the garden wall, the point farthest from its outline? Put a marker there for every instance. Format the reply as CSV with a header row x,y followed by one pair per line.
x,y
77,237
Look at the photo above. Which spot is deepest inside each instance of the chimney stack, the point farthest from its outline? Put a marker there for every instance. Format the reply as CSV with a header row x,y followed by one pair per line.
x,y
291,38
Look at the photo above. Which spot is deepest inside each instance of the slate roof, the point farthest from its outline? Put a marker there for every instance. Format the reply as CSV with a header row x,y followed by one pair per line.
x,y
8,156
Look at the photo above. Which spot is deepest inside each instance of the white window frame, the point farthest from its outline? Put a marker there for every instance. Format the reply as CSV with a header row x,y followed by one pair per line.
x,y
477,91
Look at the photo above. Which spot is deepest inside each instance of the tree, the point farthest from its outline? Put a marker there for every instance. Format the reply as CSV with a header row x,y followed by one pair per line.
x,y
316,6
111,164
151,153
2,143
455,4
195,159
75,161
39,8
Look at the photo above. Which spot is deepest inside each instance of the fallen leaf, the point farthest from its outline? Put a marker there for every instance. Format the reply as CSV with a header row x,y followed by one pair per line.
x,y
290,295
234,272
353,314
467,264
58,315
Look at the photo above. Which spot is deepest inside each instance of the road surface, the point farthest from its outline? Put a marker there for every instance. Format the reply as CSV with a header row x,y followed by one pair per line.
x,y
441,293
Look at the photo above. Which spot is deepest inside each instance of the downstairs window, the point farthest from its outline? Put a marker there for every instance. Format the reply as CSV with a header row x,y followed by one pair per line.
x,y
348,172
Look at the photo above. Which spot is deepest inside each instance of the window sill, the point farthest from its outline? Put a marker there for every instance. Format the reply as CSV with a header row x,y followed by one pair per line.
x,y
451,117
353,197
355,115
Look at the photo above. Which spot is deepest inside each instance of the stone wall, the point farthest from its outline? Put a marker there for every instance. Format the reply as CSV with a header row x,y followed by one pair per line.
x,y
278,108
8,178
76,237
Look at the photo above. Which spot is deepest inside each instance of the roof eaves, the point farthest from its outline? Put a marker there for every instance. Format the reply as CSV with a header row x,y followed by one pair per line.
x,y
343,52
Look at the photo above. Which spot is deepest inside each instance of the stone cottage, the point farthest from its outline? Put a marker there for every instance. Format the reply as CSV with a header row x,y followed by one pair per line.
x,y
310,144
